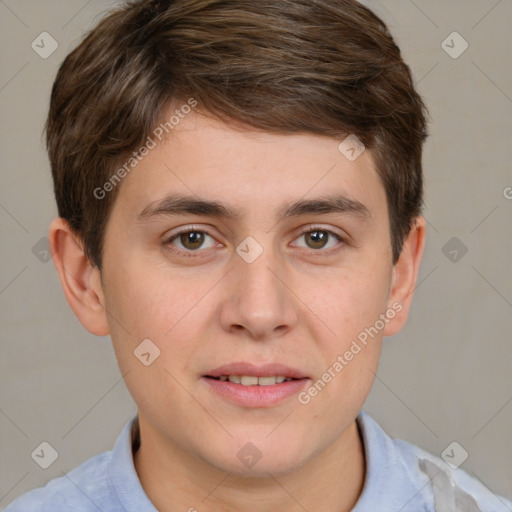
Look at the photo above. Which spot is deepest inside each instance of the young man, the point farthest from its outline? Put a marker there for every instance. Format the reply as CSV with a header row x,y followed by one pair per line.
x,y
239,187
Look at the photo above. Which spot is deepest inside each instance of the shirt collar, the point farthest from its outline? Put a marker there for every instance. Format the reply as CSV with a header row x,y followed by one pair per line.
x,y
122,473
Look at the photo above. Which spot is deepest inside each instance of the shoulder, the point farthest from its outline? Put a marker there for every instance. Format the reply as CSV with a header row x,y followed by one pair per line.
x,y
422,481
451,487
84,489
105,482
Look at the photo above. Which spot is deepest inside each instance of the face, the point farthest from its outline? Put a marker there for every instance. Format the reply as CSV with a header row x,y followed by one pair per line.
x,y
268,280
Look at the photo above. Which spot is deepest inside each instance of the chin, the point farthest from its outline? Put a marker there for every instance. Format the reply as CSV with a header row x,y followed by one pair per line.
x,y
262,469
256,457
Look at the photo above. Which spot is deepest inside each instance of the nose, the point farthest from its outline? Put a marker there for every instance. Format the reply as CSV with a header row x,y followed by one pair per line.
x,y
261,303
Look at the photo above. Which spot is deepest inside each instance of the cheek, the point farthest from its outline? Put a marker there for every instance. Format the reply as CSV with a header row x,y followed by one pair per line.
x,y
349,355
351,306
142,305
350,301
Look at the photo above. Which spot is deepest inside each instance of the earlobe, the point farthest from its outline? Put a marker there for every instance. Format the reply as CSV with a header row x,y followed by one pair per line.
x,y
80,280
405,275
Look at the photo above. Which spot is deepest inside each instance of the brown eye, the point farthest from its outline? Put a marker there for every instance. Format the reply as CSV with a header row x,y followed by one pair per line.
x,y
318,239
192,239
189,241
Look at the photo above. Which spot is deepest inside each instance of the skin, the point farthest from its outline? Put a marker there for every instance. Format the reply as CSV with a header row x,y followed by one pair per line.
x,y
295,304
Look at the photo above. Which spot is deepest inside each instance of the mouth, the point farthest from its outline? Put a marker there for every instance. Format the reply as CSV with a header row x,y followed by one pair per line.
x,y
255,386
252,380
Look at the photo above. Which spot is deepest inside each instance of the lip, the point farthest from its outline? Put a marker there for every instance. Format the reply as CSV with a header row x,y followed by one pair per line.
x,y
256,396
266,370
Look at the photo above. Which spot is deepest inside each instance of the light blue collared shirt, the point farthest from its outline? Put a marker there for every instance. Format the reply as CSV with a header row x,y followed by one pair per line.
x,y
400,477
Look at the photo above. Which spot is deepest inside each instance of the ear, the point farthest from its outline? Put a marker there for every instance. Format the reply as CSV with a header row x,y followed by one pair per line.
x,y
80,280
405,274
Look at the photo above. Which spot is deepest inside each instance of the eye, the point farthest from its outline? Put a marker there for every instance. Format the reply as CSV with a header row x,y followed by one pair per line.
x,y
190,240
318,238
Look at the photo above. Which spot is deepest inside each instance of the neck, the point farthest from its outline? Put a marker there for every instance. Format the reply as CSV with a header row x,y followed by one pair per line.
x,y
174,480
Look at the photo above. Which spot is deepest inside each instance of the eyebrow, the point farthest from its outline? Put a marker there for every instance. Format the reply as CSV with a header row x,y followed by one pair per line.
x,y
178,204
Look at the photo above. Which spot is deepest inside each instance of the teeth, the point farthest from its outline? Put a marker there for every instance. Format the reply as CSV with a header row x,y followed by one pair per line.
x,y
251,380
246,380
266,381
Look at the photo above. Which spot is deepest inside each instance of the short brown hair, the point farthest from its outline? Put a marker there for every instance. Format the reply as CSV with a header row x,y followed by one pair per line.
x,y
327,67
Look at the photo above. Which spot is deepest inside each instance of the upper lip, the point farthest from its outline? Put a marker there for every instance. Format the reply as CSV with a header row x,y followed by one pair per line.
x,y
266,370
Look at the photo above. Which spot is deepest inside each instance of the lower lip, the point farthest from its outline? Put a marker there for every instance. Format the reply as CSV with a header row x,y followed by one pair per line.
x,y
256,396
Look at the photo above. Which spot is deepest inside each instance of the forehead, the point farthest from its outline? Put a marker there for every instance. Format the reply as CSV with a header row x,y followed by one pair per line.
x,y
237,173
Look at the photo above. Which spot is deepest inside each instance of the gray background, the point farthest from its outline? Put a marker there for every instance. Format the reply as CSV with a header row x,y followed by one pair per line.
x,y
446,377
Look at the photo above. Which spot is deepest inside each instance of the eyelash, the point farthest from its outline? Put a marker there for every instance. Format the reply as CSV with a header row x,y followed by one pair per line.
x,y
194,254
